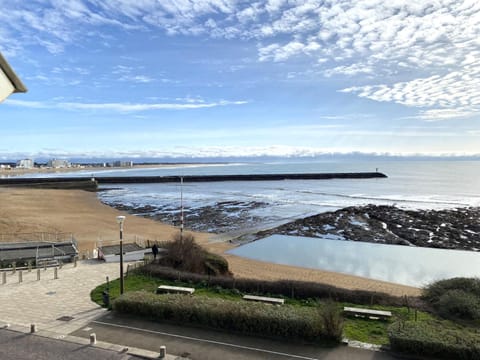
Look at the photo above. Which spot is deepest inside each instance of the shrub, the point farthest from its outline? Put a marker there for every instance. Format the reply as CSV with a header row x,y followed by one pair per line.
x,y
429,339
288,288
455,298
433,291
215,264
332,321
288,322
183,253
459,304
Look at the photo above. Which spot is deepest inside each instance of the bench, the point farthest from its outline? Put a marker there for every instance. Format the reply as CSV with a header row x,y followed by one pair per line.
x,y
264,299
166,289
368,313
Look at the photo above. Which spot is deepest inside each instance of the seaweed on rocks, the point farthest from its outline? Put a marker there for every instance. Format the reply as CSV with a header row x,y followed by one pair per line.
x,y
446,229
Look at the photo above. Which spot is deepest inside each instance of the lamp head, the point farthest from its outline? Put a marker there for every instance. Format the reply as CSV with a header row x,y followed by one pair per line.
x,y
120,221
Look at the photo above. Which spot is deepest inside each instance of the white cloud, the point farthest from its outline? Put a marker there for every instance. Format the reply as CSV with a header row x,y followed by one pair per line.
x,y
453,95
128,74
349,70
444,114
196,152
120,107
406,44
418,34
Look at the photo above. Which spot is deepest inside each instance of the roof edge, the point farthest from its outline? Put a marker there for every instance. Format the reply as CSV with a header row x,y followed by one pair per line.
x,y
7,69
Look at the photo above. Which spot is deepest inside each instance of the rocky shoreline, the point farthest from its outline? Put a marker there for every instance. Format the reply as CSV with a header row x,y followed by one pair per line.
x,y
221,217
446,229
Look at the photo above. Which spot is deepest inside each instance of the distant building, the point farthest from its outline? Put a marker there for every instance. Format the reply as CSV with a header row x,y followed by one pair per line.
x,y
58,163
25,164
9,82
122,164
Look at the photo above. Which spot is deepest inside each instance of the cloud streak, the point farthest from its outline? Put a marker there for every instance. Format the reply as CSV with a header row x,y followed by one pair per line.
x,y
120,107
212,152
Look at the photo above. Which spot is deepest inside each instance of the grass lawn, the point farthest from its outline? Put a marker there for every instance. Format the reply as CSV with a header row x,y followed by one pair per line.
x,y
365,330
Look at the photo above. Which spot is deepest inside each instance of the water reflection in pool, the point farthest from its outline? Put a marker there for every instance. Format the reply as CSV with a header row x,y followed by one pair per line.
x,y
406,265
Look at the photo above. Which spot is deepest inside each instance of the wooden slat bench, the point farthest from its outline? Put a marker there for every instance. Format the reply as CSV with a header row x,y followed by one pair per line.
x,y
166,289
368,313
264,299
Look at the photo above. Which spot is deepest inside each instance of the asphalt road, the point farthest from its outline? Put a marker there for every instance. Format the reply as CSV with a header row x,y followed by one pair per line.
x,y
20,346
200,344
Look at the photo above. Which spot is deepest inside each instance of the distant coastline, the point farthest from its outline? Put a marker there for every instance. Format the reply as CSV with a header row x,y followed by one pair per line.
x,y
95,169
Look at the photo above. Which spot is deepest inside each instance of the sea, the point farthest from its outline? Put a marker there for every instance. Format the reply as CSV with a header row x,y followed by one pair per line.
x,y
237,208
414,184
263,204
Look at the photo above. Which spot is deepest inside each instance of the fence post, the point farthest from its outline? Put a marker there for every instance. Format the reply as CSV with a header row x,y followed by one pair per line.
x,y
55,273
75,261
20,276
163,352
14,267
4,277
38,274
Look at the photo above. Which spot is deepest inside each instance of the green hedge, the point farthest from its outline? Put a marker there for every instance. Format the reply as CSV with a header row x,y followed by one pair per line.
x,y
429,339
289,288
251,318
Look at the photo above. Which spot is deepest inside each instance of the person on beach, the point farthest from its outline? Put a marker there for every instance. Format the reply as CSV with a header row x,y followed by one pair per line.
x,y
155,251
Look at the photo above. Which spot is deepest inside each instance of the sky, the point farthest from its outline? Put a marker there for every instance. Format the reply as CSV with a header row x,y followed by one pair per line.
x,y
219,78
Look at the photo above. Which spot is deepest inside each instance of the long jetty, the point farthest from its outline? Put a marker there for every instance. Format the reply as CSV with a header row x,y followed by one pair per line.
x,y
243,177
83,182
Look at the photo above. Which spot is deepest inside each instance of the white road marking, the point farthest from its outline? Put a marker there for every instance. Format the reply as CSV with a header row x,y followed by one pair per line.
x,y
206,341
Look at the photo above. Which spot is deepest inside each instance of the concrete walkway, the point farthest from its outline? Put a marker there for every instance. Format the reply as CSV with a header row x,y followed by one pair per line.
x,y
46,301
42,302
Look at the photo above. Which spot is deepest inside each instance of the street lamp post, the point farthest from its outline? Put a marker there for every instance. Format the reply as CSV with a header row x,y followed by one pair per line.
x,y
120,221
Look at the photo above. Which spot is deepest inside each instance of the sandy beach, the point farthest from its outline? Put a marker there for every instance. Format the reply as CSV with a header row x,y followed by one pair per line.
x,y
83,215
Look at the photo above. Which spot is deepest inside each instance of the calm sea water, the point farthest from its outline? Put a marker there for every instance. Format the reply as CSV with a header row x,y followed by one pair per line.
x,y
405,265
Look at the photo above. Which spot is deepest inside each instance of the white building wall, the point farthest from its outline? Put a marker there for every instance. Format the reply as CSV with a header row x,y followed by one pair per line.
x,y
6,87
25,164
58,163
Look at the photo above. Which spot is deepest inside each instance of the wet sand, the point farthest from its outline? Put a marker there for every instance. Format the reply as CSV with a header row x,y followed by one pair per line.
x,y
82,214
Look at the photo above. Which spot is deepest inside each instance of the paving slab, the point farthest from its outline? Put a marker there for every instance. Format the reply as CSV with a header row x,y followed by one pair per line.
x,y
63,304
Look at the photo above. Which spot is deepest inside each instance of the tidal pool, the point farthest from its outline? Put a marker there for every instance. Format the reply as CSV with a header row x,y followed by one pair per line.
x,y
407,265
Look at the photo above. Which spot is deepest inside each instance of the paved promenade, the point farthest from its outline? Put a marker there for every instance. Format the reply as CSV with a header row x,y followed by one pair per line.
x,y
45,301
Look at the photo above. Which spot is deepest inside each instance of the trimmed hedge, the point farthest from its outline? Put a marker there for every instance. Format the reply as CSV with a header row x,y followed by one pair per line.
x,y
289,288
250,318
429,339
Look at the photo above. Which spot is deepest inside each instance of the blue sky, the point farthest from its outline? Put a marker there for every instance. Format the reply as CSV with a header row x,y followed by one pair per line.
x,y
149,78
